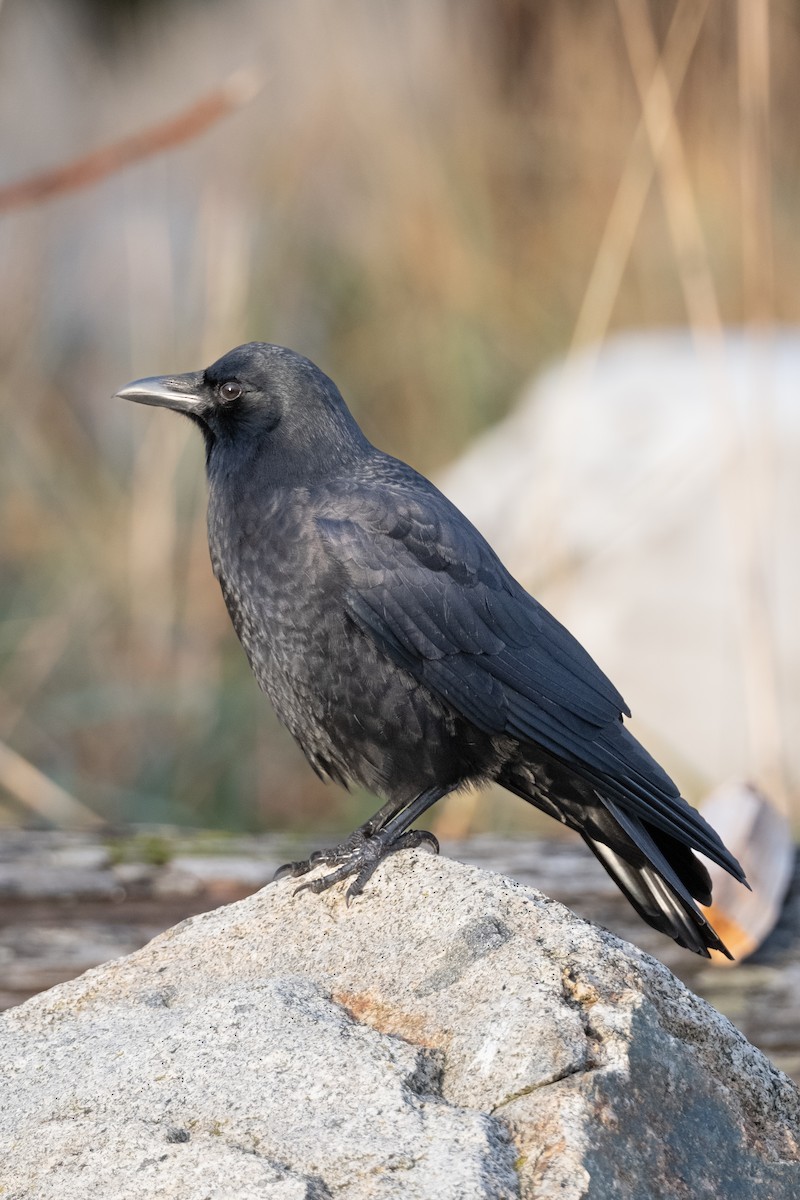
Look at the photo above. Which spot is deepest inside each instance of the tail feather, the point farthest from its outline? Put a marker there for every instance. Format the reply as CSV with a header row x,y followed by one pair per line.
x,y
643,788
689,868
658,903
657,872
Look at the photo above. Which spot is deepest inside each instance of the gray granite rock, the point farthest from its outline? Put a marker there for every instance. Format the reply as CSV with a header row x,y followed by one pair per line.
x,y
450,1035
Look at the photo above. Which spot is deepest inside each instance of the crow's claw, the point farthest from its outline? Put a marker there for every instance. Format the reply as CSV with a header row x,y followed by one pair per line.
x,y
293,869
325,881
359,855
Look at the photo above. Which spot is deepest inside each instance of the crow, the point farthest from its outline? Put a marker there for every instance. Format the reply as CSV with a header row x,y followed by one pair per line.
x,y
403,656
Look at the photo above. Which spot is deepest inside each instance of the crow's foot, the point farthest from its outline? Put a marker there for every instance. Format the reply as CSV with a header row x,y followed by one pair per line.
x,y
359,855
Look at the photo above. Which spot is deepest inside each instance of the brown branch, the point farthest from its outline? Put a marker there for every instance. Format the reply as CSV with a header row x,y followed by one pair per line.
x,y
239,90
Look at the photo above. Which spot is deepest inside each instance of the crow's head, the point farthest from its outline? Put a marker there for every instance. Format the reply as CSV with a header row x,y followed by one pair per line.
x,y
261,402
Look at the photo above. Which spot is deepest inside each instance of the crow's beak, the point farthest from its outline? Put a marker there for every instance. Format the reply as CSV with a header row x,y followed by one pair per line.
x,y
184,393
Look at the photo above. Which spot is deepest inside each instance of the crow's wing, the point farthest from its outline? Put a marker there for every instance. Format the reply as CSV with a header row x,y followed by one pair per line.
x,y
435,597
429,590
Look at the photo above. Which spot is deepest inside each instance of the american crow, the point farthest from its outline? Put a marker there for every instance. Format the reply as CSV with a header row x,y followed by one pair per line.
x,y
400,652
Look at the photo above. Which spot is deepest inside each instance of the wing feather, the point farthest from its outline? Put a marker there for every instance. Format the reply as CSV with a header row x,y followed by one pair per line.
x,y
430,593
423,583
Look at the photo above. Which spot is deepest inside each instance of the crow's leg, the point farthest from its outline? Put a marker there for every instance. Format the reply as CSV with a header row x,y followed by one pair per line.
x,y
364,832
383,834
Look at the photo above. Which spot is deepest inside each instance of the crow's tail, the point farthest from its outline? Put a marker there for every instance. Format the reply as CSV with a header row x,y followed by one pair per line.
x,y
663,891
658,873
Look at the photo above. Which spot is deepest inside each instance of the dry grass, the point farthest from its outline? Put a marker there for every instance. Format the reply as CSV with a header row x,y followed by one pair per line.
x,y
416,200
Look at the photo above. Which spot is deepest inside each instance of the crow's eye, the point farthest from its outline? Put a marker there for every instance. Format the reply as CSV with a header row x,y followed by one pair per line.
x,y
230,391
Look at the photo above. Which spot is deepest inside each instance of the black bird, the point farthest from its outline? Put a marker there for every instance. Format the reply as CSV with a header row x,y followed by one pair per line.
x,y
403,656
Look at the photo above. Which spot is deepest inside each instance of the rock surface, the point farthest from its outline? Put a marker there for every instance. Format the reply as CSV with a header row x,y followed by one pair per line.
x,y
52,935
450,1035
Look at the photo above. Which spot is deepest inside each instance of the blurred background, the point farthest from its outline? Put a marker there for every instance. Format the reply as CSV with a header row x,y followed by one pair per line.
x,y
550,254
436,201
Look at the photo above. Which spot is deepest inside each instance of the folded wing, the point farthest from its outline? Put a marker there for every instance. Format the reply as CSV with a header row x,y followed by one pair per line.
x,y
428,589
